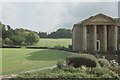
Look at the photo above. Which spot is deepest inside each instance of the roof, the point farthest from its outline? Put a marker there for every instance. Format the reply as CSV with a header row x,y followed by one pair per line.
x,y
100,14
117,20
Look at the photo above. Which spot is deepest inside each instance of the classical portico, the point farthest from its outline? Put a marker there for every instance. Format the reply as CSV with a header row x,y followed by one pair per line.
x,y
97,33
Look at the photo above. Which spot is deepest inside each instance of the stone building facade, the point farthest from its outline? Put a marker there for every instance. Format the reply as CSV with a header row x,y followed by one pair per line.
x,y
97,33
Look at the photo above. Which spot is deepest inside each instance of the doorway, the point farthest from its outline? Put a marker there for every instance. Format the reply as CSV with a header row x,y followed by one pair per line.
x,y
98,45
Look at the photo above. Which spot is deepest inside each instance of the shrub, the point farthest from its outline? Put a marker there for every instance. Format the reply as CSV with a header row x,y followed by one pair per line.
x,y
33,47
101,72
114,63
82,59
97,73
59,47
60,64
4,46
70,46
0,41
104,62
115,69
71,69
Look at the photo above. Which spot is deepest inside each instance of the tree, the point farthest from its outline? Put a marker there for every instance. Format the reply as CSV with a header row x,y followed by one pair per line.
x,y
0,41
53,35
8,27
8,41
10,33
32,38
64,33
43,35
2,31
61,33
18,36
18,39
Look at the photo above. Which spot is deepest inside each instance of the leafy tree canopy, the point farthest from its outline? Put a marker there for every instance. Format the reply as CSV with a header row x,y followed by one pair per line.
x,y
32,38
18,36
60,33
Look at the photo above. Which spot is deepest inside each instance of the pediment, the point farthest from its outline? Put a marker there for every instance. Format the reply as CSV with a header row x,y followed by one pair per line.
x,y
99,19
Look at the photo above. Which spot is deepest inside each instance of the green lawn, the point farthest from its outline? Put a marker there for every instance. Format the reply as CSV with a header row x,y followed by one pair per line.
x,y
18,60
54,42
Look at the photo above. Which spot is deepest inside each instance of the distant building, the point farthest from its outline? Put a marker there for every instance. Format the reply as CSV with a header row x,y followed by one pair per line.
x,y
97,33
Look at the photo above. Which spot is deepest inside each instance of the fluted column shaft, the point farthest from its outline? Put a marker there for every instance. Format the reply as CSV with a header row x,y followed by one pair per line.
x,y
84,38
94,37
115,37
105,38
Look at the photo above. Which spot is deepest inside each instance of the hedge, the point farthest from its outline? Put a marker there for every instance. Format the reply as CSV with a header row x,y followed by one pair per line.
x,y
104,62
82,59
70,74
7,46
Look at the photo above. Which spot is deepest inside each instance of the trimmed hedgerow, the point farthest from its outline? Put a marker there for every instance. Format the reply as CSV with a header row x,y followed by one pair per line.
x,y
115,69
71,73
82,59
102,72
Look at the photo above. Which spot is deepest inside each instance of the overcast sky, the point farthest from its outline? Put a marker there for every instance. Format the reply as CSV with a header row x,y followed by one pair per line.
x,y
49,16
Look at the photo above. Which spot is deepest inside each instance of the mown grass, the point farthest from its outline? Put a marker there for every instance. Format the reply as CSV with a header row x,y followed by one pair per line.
x,y
19,60
54,42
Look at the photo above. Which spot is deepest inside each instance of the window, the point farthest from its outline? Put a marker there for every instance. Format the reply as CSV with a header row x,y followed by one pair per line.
x,y
98,45
119,30
119,46
87,30
98,30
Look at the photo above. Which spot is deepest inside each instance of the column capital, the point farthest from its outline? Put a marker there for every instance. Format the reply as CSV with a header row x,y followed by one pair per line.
x,y
94,25
104,25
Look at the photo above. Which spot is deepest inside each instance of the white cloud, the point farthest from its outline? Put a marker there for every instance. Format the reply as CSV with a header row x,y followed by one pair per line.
x,y
42,16
9,13
59,0
49,16
0,11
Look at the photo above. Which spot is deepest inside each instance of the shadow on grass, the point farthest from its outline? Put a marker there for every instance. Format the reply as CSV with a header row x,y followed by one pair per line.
x,y
47,55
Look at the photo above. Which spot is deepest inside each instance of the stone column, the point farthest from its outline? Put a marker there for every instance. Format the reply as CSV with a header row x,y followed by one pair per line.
x,y
115,37
94,37
84,38
105,38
